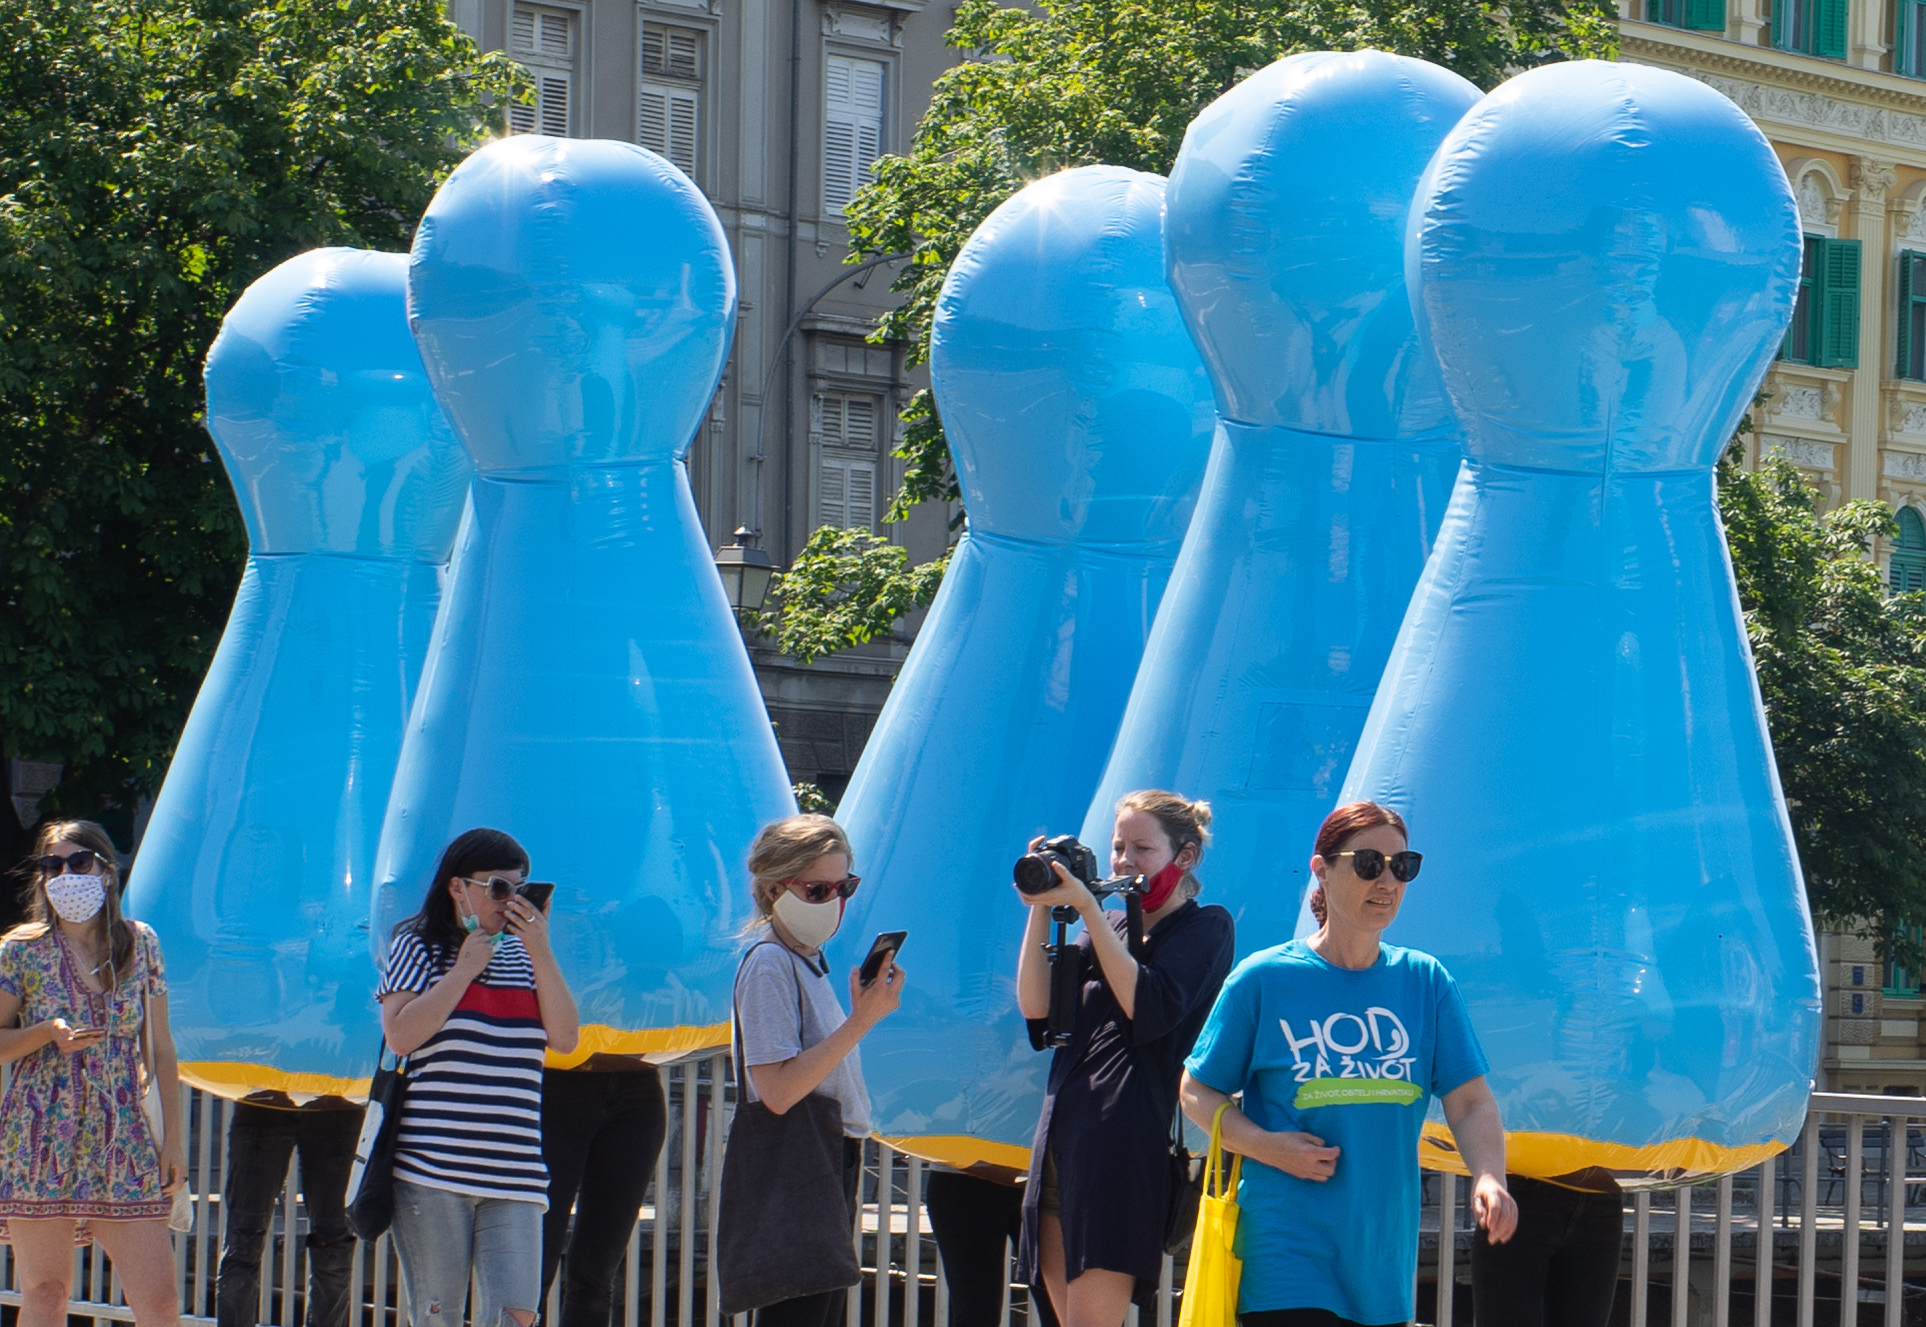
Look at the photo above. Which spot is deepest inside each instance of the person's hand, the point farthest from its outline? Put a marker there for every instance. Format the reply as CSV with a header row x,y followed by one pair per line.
x,y
1301,1154
66,1038
1495,1209
871,1004
527,923
475,953
1068,892
173,1160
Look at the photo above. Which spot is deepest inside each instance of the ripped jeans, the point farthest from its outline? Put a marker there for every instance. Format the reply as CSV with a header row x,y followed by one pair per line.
x,y
441,1235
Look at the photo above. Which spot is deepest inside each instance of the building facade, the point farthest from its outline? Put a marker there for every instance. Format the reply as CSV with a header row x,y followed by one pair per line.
x,y
776,109
1839,88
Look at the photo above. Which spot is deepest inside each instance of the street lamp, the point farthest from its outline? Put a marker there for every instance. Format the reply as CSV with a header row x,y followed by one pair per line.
x,y
746,571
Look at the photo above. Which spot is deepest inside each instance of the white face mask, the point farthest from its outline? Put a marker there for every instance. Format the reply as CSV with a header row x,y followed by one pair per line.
x,y
811,923
77,898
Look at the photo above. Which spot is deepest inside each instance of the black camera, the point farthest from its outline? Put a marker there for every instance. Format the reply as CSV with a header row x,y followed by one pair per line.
x,y
1032,870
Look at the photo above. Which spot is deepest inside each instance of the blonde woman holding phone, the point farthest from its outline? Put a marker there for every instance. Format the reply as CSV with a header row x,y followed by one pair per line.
x,y
79,1162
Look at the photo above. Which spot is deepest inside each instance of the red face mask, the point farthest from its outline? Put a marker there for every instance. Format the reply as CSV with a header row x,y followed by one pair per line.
x,y
1158,888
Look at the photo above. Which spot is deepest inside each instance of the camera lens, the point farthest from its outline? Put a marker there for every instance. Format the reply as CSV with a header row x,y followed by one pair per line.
x,y
1033,874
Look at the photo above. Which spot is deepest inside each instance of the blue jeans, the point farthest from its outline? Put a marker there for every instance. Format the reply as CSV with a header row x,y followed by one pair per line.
x,y
442,1236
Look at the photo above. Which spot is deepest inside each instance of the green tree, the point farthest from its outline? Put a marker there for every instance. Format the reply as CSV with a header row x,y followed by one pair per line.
x,y
1081,82
1842,669
155,157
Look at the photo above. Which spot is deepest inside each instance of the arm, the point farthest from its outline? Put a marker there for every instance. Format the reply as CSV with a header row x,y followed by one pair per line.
x,y
1033,966
1472,1113
409,1018
1301,1154
1113,955
167,1074
559,1017
16,1042
786,1082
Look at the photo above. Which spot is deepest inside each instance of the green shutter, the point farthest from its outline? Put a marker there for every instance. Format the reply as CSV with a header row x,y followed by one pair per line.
x,y
1705,15
1830,20
1902,24
1836,294
1907,569
1780,14
1903,338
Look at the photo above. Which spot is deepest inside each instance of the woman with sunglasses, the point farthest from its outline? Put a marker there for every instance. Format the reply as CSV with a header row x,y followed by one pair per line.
x,y
473,997
793,1036
78,1160
1097,1201
1337,1042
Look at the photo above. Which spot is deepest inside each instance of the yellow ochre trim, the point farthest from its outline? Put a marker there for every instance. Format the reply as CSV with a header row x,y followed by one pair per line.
x,y
235,1080
600,1040
1548,1155
962,1151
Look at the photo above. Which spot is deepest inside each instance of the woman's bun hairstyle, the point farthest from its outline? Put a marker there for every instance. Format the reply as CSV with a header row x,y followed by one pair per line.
x,y
1338,829
1182,820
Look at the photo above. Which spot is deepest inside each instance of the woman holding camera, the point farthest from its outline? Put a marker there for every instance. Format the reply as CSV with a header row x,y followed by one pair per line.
x,y
1337,1043
473,997
81,988
1097,1201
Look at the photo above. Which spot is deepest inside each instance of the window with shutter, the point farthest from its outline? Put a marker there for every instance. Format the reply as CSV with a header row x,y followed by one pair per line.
x,y
1829,27
1910,340
1815,27
1836,292
852,128
1703,15
543,40
1907,570
845,420
846,493
670,102
1799,343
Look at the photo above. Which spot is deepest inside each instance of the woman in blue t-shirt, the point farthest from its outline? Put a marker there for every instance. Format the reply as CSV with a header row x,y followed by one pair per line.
x,y
1337,1043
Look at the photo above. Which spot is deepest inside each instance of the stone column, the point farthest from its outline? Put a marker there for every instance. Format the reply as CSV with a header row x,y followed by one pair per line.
x,y
1870,181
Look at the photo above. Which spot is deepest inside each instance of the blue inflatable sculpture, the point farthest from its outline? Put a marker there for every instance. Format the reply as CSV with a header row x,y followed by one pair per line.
x,y
1080,418
1331,471
257,865
1606,257
587,690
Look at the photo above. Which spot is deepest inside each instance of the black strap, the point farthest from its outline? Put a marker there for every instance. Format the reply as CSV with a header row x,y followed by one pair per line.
x,y
735,1002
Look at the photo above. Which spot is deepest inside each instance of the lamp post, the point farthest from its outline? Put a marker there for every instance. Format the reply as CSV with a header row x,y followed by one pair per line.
x,y
746,571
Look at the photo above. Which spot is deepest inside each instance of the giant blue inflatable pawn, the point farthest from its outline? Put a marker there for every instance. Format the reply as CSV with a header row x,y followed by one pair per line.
x,y
1331,471
1080,417
587,689
1606,257
257,866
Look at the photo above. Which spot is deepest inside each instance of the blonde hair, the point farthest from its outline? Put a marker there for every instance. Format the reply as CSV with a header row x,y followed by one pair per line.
x,y
112,935
784,849
1182,820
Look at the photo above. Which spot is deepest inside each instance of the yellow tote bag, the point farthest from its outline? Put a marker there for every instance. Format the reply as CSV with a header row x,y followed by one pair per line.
x,y
1210,1286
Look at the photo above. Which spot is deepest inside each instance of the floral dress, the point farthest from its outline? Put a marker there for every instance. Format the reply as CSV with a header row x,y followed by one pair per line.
x,y
74,1141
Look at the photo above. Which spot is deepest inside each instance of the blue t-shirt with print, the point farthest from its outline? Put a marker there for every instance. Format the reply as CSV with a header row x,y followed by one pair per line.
x,y
1352,1056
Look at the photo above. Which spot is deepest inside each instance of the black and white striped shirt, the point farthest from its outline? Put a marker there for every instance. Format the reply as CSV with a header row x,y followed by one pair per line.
x,y
471,1121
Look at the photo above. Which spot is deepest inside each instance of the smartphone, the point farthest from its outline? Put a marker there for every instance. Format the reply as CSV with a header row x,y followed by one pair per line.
x,y
880,952
536,892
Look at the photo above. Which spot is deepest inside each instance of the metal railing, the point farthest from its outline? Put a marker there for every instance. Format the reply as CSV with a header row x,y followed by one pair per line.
x,y
1814,1227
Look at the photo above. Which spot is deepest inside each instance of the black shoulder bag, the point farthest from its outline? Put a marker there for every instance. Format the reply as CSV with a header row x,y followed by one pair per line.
x,y
371,1180
1186,1190
784,1228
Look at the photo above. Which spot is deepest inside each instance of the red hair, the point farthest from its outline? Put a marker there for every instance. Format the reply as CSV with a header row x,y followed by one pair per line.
x,y
1343,825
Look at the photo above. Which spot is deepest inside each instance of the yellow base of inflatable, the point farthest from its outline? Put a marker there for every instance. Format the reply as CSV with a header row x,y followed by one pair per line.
x,y
235,1081
1549,1155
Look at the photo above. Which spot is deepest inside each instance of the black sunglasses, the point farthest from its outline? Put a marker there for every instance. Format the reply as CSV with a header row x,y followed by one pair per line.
x,y
819,891
81,863
495,887
1369,863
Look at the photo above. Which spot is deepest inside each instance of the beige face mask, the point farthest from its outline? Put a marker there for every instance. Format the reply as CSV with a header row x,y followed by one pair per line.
x,y
811,923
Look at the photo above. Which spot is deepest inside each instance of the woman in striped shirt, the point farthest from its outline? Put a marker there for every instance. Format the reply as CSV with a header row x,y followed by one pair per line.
x,y
472,996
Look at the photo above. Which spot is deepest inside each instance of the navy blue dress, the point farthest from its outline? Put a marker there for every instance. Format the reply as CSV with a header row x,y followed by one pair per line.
x,y
1107,1113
